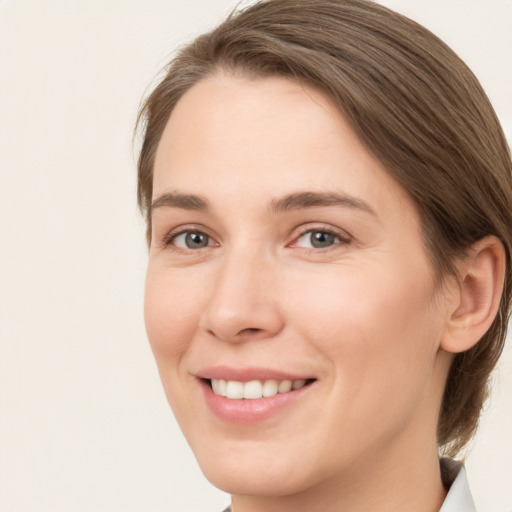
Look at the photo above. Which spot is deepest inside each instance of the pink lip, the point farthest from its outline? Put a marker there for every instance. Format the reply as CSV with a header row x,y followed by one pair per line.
x,y
247,374
246,411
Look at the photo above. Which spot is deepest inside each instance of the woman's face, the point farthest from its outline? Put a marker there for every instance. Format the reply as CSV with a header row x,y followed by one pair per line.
x,y
282,251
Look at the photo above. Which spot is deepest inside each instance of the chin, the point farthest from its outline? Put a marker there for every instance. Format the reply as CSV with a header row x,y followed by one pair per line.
x,y
254,484
254,476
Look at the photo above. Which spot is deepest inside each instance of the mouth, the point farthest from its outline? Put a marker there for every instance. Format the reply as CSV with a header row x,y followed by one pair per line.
x,y
255,389
250,395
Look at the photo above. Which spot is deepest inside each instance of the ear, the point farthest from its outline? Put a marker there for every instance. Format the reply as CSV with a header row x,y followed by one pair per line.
x,y
478,289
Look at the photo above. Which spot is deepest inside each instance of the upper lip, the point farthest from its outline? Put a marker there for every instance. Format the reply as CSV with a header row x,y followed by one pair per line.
x,y
248,373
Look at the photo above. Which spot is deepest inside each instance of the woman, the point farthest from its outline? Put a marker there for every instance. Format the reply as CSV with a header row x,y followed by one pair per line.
x,y
328,198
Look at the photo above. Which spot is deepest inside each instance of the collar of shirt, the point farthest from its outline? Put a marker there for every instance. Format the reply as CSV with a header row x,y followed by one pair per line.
x,y
459,498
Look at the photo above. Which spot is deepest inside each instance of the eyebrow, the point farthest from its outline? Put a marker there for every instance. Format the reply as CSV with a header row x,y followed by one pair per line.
x,y
291,202
184,201
302,200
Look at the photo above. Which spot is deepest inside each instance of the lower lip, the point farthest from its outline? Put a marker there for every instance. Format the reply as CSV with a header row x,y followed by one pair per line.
x,y
249,411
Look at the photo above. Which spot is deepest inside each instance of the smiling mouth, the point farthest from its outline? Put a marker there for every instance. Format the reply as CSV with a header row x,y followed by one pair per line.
x,y
255,389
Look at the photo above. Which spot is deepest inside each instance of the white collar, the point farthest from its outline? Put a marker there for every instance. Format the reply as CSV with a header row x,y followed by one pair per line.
x,y
459,498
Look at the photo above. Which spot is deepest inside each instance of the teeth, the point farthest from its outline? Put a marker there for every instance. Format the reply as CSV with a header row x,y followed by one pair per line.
x,y
234,389
270,388
284,386
219,386
254,389
297,384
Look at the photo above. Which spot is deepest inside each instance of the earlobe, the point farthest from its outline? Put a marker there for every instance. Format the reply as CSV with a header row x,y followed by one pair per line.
x,y
480,286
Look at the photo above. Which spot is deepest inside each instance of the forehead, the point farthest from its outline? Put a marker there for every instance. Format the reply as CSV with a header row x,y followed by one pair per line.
x,y
230,134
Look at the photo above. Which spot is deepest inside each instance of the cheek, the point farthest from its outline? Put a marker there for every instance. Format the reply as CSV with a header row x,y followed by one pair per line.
x,y
352,301
377,328
378,336
171,313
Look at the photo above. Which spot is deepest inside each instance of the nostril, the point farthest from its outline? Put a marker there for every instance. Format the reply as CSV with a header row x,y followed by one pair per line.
x,y
249,330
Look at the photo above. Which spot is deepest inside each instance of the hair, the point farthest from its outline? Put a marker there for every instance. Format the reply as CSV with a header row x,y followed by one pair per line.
x,y
415,106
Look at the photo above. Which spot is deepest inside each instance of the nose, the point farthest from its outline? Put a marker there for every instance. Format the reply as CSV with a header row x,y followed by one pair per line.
x,y
243,304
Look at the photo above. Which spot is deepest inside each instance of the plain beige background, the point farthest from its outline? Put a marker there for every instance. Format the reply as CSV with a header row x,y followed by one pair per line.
x,y
84,425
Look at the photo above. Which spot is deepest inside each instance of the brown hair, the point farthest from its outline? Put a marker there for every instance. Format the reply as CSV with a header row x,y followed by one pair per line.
x,y
414,105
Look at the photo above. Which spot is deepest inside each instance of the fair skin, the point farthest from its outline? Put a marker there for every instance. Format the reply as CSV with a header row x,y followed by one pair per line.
x,y
282,250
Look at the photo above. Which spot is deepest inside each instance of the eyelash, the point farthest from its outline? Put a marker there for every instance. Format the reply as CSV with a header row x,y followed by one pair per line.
x,y
168,240
342,237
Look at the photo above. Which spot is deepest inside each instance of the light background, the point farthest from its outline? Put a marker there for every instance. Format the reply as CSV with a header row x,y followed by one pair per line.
x,y
84,425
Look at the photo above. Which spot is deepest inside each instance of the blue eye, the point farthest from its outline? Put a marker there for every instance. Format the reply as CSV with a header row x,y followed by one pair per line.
x,y
191,240
318,239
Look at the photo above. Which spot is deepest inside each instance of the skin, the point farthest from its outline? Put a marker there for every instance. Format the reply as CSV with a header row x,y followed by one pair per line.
x,y
362,316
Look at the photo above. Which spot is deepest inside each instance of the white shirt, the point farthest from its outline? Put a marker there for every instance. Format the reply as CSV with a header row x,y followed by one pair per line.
x,y
459,497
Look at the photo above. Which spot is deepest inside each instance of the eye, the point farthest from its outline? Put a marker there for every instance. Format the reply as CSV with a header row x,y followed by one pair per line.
x,y
190,240
319,239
